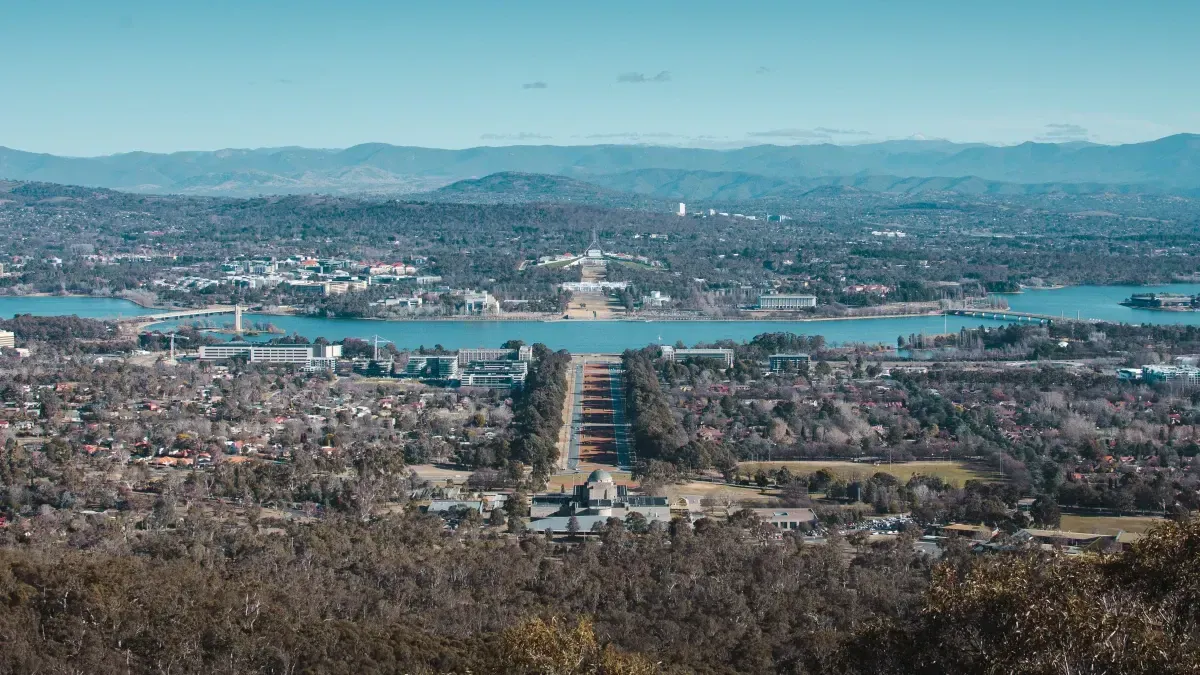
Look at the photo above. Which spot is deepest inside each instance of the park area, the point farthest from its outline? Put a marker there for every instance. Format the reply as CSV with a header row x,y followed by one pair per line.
x,y
955,473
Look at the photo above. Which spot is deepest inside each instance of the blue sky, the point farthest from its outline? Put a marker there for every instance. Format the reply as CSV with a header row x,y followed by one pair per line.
x,y
104,76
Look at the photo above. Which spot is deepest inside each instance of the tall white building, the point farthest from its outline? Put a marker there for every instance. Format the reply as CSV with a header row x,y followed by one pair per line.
x,y
682,209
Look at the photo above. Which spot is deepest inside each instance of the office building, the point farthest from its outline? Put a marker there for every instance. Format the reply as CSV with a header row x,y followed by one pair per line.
x,y
782,362
1186,375
522,353
431,367
682,209
8,339
500,374
723,355
494,368
786,301
309,355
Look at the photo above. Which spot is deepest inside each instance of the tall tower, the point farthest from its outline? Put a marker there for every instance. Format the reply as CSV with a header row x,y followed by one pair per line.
x,y
682,209
237,319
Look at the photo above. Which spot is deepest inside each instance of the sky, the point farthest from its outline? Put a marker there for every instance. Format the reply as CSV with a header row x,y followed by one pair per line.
x,y
96,77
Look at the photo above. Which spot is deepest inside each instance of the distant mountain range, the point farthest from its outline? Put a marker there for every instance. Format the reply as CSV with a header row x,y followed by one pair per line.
x,y
1170,164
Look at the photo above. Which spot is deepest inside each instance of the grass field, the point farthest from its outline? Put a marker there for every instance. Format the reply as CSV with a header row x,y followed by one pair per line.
x,y
1107,524
744,495
955,473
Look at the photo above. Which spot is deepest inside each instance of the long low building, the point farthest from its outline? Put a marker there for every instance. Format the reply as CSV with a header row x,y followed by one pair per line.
x,y
773,301
787,518
723,355
522,353
499,374
273,353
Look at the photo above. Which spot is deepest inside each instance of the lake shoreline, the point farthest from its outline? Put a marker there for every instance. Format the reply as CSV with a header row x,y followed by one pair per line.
x,y
631,319
615,334
84,296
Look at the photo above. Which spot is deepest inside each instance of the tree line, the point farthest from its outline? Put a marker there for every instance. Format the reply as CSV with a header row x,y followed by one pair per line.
x,y
538,411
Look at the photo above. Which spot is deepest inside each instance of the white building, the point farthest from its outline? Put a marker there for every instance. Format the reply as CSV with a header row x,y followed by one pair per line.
x,y
8,339
723,355
786,519
481,302
592,286
655,299
436,367
522,353
682,209
414,302
308,355
774,301
502,374
1187,375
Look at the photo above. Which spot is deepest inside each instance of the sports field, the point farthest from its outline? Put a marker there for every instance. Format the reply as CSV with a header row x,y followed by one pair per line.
x,y
1107,524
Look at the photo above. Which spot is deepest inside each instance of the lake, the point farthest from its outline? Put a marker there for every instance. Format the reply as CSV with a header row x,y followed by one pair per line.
x,y
1096,302
87,308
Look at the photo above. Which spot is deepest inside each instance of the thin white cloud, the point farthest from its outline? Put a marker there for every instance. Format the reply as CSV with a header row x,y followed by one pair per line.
x,y
795,134
520,136
535,85
841,132
640,78
1063,133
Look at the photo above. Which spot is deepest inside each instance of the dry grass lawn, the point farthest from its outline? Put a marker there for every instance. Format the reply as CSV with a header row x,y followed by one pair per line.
x,y
1107,524
717,491
439,474
955,473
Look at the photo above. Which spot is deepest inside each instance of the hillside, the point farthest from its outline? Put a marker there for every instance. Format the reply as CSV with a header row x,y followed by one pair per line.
x,y
659,189
1171,163
513,187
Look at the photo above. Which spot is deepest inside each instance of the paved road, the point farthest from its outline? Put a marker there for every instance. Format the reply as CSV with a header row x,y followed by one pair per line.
x,y
616,382
576,405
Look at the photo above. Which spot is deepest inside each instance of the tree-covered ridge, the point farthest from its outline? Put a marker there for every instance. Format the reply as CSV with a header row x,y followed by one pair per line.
x,y
400,594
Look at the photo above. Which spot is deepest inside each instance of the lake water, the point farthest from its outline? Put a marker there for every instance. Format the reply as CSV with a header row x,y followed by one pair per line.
x,y
1096,302
1102,302
87,308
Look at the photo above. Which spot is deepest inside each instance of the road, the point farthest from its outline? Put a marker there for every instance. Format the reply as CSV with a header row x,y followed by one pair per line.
x,y
595,432
568,437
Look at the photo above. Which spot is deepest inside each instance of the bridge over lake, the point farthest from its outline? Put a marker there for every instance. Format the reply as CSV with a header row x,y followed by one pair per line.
x,y
1009,315
145,319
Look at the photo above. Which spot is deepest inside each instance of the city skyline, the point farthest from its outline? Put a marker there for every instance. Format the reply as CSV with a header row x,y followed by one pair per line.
x,y
132,76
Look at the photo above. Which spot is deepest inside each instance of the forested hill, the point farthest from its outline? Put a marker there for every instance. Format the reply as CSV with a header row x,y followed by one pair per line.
x,y
512,187
660,189
1171,163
